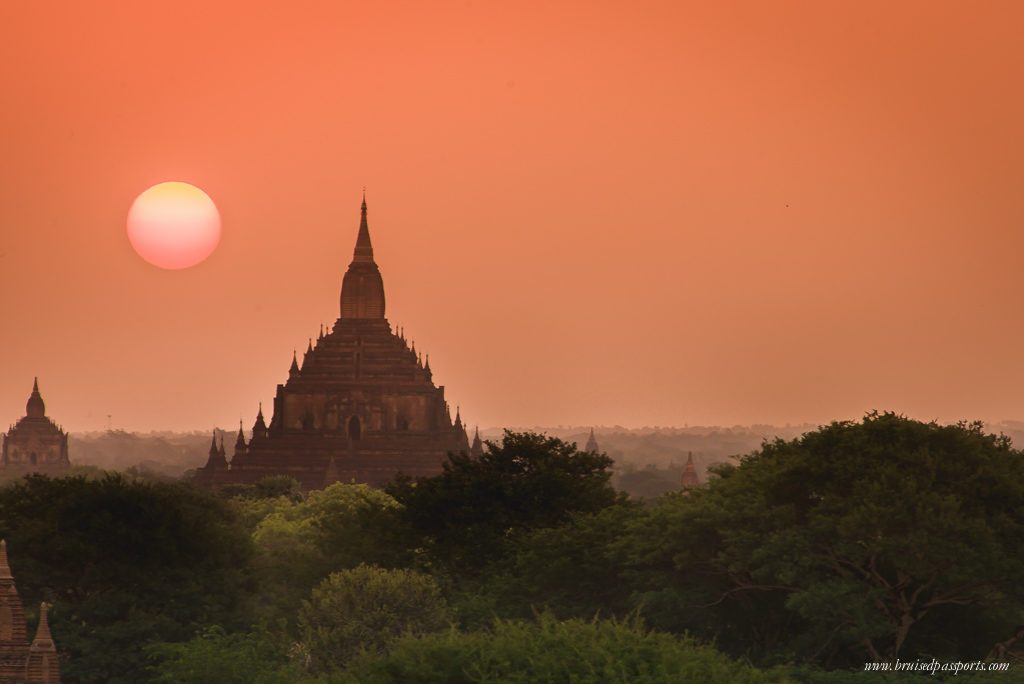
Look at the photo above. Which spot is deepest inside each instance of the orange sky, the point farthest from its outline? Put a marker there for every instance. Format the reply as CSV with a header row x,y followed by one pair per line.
x,y
635,213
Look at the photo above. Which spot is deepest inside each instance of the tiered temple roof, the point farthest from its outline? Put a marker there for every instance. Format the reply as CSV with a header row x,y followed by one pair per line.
x,y
360,407
21,662
35,443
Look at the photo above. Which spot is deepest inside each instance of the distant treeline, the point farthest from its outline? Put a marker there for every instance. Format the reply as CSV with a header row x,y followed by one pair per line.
x,y
648,461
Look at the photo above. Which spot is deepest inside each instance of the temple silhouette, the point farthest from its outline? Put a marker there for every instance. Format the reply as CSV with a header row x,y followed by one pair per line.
x,y
22,662
360,407
35,443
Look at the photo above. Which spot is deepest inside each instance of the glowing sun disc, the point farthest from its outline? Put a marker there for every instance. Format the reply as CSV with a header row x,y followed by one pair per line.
x,y
173,225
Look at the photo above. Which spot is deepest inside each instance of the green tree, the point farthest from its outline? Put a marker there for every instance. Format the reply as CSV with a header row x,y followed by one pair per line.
x,y
125,564
366,608
259,656
570,571
467,515
859,541
546,650
301,542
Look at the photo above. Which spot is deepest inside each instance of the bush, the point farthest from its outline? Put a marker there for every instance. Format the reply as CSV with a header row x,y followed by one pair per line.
x,y
366,608
546,650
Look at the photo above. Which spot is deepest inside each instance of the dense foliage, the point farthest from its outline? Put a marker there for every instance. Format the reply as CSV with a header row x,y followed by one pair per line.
x,y
862,541
548,650
124,564
468,515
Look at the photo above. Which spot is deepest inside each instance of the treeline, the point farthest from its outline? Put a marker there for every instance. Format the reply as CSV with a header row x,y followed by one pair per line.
x,y
860,542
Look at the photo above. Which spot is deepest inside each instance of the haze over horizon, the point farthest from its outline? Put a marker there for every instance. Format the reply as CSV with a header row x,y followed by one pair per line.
x,y
662,213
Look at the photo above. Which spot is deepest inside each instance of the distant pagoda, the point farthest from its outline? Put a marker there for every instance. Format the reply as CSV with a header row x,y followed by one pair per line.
x,y
35,443
361,407
690,478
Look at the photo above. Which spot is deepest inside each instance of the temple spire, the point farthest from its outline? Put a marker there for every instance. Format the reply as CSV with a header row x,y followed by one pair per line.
x,y
477,449
5,569
364,250
362,288
690,478
240,442
35,408
43,632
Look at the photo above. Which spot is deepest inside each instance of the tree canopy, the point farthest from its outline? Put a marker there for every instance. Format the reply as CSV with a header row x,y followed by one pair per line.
x,y
467,514
856,542
124,564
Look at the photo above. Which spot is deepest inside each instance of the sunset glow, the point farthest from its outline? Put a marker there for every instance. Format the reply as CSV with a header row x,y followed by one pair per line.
x,y
587,213
174,225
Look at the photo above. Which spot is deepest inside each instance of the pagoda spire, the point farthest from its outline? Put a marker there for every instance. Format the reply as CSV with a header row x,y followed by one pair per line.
x,y
690,479
364,250
43,636
477,450
362,288
5,569
294,370
35,408
240,442
42,666
259,428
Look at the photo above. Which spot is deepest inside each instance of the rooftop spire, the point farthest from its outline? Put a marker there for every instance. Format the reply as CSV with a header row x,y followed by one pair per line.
x,y
362,288
294,370
240,442
259,428
477,449
364,250
690,478
5,569
35,408
43,638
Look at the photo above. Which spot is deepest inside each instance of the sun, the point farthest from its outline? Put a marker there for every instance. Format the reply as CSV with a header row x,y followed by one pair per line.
x,y
174,225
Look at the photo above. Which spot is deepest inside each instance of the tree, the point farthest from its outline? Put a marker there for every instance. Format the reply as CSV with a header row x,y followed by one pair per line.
x,y
466,515
546,650
125,564
216,657
859,541
569,571
301,542
365,609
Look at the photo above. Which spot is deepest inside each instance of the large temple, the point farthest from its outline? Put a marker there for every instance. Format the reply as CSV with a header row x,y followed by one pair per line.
x,y
360,407
35,443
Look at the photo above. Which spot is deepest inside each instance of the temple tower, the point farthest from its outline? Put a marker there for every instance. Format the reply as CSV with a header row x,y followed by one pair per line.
x,y
362,405
13,640
690,479
35,443
42,666
20,662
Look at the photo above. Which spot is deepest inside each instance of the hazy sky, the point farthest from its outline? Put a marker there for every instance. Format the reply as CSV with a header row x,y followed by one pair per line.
x,y
630,213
